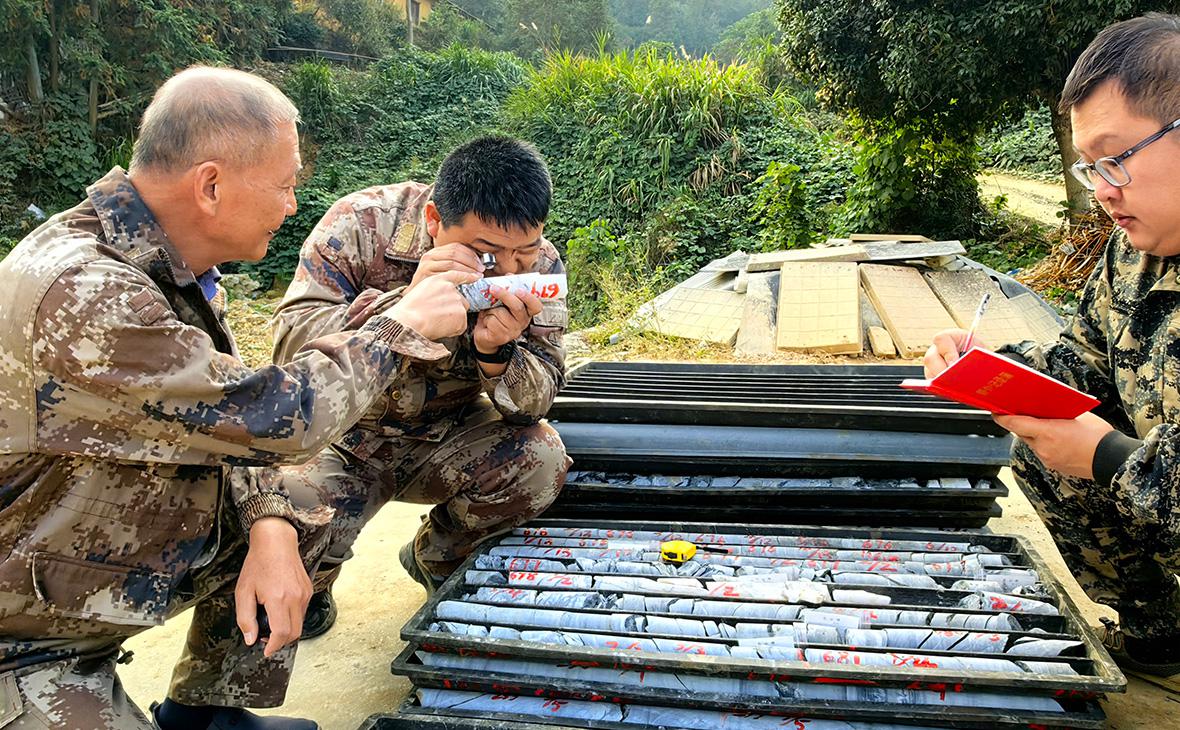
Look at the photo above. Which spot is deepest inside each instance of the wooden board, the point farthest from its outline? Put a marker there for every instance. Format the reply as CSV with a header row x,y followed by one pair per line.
x,y
892,251
819,308
855,237
910,311
735,261
961,291
881,343
881,251
774,260
756,336
711,315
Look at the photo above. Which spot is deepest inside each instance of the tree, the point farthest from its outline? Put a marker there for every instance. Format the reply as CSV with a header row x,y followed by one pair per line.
x,y
754,31
449,24
573,25
22,28
949,68
92,65
367,27
694,25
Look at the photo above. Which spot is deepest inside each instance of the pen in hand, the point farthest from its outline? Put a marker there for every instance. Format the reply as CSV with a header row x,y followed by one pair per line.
x,y
975,323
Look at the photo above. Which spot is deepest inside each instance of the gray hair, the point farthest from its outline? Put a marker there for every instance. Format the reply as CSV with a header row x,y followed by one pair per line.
x,y
1142,56
205,113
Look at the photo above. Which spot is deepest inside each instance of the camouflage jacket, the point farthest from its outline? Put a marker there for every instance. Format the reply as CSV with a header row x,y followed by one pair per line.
x,y
1123,347
369,243
125,416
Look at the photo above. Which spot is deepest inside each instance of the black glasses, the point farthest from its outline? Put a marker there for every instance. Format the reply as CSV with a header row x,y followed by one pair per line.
x,y
1111,168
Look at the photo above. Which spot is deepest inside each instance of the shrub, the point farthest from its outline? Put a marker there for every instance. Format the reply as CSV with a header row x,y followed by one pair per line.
x,y
1025,145
904,181
666,151
781,210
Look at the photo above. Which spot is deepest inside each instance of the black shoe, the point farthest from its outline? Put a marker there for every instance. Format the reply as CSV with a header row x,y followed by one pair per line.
x,y
1162,674
222,718
321,614
409,561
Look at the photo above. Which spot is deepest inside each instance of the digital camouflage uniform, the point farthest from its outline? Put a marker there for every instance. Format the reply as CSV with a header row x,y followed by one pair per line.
x,y
488,463
133,453
1120,533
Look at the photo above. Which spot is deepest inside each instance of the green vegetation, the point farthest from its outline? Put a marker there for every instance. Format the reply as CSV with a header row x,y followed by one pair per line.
x,y
1025,146
664,155
659,164
393,121
947,71
696,26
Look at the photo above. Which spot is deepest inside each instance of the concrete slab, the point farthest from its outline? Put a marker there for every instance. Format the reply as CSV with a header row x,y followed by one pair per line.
x,y
735,261
1044,327
961,291
910,311
872,251
855,237
742,282
901,251
718,280
756,336
710,315
819,307
704,279
774,260
881,343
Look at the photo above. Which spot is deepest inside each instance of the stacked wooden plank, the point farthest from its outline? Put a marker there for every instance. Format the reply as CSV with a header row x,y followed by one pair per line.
x,y
891,293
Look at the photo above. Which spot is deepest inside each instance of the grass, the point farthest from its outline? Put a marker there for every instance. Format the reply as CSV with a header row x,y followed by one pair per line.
x,y
249,320
651,346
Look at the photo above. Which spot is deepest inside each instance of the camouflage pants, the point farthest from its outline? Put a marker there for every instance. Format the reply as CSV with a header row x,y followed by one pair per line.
x,y
216,667
1117,562
484,476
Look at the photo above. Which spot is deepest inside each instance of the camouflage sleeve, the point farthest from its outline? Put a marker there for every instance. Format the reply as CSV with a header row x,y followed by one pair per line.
x,y
525,390
1080,356
1144,483
125,379
326,295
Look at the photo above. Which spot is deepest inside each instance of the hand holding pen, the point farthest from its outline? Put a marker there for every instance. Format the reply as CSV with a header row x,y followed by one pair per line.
x,y
975,323
950,345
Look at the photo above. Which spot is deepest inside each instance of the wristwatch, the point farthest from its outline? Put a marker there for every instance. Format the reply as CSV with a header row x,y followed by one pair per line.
x,y
502,355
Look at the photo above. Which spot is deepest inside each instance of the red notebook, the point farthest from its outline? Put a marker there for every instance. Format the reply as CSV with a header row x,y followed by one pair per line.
x,y
983,379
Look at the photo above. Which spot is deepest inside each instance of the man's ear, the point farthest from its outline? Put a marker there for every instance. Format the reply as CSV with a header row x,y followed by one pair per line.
x,y
433,218
207,187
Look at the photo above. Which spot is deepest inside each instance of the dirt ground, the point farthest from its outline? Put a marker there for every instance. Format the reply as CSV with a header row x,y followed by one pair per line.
x,y
1035,199
343,677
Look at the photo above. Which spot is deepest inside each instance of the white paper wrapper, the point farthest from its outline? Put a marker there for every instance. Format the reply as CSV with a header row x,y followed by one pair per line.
x,y
543,286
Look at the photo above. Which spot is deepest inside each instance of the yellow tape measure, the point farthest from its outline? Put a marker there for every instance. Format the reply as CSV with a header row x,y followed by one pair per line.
x,y
679,552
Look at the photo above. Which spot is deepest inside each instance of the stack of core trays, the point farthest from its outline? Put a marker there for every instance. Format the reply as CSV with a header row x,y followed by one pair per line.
x,y
580,624
795,444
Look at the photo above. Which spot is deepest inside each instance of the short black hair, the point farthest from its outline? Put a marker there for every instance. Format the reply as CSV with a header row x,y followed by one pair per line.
x,y
502,180
1142,56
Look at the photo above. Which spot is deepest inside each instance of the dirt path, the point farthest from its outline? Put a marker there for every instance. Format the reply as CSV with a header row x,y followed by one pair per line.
x,y
1033,198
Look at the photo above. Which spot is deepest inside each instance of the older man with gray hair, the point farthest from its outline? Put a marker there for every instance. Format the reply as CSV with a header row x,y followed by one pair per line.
x,y
137,451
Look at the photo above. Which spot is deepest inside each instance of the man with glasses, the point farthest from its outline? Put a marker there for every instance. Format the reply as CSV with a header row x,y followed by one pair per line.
x,y
1107,484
